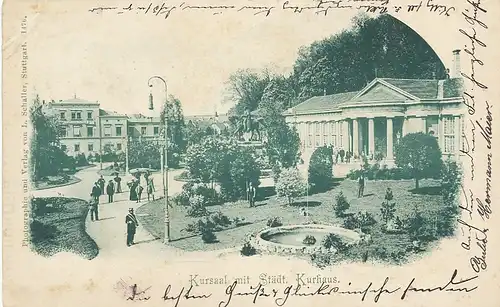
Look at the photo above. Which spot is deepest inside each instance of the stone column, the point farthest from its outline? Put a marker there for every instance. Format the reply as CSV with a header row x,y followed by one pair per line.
x,y
355,136
371,137
390,142
405,128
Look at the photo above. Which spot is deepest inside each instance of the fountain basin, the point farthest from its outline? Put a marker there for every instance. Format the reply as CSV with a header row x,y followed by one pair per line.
x,y
289,239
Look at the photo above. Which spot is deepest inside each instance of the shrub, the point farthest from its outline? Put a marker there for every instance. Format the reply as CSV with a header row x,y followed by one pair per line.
x,y
220,219
419,228
388,206
379,156
309,240
208,236
197,206
320,168
341,204
274,222
359,220
334,241
41,232
321,260
248,250
290,184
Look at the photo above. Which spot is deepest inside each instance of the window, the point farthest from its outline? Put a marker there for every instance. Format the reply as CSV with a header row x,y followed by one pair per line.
x,y
77,147
91,147
317,134
340,136
325,134
90,131
78,115
63,132
64,147
449,134
333,133
89,115
118,146
118,131
156,130
309,135
63,115
76,131
73,115
107,131
143,130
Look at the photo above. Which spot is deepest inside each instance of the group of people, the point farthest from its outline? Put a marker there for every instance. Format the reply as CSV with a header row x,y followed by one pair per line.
x,y
136,186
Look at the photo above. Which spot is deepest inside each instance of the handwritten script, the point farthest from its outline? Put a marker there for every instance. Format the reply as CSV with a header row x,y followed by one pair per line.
x,y
477,209
280,296
319,7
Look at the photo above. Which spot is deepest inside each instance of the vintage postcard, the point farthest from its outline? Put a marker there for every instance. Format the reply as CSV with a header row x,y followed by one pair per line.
x,y
250,153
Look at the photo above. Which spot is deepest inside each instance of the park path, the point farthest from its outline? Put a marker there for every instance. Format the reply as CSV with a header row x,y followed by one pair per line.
x,y
110,231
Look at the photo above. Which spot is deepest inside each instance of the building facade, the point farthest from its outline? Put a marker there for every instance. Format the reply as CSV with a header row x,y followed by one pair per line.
x,y
88,129
371,121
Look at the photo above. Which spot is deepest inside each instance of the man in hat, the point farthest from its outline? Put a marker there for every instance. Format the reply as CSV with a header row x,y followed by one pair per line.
x,y
132,224
96,191
94,209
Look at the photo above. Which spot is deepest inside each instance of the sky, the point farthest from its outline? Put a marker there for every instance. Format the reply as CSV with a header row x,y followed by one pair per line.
x,y
109,58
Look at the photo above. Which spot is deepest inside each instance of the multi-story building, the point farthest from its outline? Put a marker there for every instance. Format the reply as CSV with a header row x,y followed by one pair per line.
x,y
88,129
373,119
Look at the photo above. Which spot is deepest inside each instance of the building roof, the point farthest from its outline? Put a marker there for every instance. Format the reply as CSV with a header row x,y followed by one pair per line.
x,y
404,89
325,103
110,113
76,100
423,89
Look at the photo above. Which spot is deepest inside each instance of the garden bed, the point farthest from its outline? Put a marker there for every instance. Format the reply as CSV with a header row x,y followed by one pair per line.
x,y
319,207
55,182
58,225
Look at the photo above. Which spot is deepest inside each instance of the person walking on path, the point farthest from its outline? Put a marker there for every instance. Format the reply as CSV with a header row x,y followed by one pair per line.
x,y
361,185
150,187
132,224
133,189
101,183
251,194
110,190
139,190
118,183
96,192
94,209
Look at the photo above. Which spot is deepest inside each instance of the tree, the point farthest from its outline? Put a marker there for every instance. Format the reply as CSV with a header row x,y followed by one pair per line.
x,y
144,153
290,184
348,60
46,155
320,168
177,143
245,88
222,160
283,142
420,154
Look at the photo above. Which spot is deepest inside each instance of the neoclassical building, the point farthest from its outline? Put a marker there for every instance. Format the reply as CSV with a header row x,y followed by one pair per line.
x,y
372,120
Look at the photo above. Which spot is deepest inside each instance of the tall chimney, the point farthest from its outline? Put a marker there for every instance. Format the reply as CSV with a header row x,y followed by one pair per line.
x,y
455,70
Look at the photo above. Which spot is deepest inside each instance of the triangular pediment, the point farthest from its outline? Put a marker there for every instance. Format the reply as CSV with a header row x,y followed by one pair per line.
x,y
378,90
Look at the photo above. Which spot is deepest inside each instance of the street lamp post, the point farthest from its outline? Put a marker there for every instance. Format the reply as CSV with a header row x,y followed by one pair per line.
x,y
164,168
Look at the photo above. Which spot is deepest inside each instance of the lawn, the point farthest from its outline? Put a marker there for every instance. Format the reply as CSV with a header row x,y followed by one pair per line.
x,y
59,225
320,207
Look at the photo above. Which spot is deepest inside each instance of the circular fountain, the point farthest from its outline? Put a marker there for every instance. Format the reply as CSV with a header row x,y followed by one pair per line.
x,y
290,239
